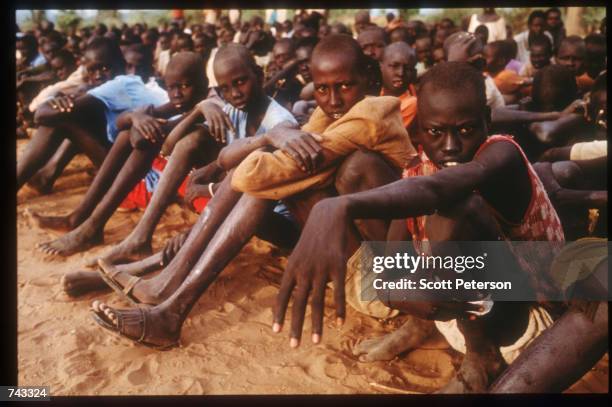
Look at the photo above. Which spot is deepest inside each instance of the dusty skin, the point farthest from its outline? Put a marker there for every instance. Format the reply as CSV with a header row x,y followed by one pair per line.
x,y
227,344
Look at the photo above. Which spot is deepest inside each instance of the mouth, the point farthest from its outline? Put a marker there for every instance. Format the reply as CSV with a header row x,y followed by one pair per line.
x,y
336,116
448,164
397,83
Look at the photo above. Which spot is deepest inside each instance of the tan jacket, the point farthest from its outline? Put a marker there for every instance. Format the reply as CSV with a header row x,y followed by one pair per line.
x,y
372,124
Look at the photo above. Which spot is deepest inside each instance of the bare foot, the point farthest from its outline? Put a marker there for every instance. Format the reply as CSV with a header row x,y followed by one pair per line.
x,y
41,184
81,282
476,372
78,240
408,336
125,251
151,327
60,223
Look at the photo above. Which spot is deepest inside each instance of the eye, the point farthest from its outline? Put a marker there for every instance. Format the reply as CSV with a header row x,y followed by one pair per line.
x,y
434,132
345,86
464,131
321,89
184,86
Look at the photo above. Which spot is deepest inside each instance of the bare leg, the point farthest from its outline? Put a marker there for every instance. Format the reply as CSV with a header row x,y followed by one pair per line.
x,y
40,149
186,152
558,357
91,231
45,178
155,290
165,320
117,156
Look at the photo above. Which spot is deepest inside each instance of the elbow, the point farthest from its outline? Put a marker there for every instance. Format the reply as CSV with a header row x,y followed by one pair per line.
x,y
223,161
44,116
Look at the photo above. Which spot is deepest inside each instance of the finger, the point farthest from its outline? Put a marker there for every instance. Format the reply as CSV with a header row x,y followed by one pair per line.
x,y
228,122
313,150
318,138
339,297
282,299
296,157
161,121
300,299
317,303
304,155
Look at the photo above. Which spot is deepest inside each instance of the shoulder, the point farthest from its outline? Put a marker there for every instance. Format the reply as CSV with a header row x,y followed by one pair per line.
x,y
375,107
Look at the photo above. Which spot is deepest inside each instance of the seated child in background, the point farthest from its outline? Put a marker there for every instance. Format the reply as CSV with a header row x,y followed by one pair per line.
x,y
372,41
88,120
399,76
540,54
571,54
509,83
139,139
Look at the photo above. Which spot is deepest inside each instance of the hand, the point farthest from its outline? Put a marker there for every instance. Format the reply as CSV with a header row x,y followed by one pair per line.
x,y
218,122
314,261
62,103
148,126
172,247
460,50
577,106
303,147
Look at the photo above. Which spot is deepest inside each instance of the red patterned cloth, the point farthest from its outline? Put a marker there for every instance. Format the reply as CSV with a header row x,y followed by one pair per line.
x,y
540,222
139,197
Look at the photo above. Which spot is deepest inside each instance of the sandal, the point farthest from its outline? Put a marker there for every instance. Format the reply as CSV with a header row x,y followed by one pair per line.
x,y
109,279
129,318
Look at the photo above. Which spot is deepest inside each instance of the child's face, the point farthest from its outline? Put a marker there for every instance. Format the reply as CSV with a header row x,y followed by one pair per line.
x,y
438,55
303,56
539,56
571,56
200,46
237,82
134,64
422,47
495,62
26,52
338,87
281,54
553,19
451,126
164,42
61,69
537,26
49,50
372,43
398,71
99,67
181,89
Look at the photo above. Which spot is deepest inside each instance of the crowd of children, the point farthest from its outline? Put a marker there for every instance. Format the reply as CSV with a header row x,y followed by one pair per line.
x,y
316,136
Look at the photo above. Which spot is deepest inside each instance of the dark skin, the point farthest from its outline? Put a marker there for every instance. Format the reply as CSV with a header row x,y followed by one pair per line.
x,y
372,42
398,68
451,132
571,56
240,86
423,50
539,55
81,119
128,161
337,90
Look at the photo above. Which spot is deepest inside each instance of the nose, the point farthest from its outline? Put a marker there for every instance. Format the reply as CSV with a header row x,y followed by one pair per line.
x,y
334,98
452,145
235,93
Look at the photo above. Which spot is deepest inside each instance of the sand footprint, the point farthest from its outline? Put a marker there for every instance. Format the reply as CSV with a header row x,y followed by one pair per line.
x,y
140,375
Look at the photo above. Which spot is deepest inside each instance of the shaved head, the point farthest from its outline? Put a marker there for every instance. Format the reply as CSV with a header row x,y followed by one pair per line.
x,y
189,65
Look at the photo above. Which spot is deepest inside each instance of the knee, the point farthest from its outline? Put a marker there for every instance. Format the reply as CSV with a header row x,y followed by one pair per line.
x,y
362,170
566,173
187,145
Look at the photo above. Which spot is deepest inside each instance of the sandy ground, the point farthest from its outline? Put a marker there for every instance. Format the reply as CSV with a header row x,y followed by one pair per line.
x,y
227,346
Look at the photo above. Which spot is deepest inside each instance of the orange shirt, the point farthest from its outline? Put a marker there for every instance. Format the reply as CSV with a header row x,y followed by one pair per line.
x,y
508,82
408,105
584,82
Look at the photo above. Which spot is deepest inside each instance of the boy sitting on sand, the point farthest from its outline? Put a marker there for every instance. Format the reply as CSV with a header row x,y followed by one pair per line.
x,y
248,112
454,194
141,135
347,122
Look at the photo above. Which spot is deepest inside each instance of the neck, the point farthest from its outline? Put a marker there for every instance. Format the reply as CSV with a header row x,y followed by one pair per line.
x,y
395,92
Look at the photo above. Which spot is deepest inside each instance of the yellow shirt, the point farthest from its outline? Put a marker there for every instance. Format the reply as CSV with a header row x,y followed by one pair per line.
x,y
373,124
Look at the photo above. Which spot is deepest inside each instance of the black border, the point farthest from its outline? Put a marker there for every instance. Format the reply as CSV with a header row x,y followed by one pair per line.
x,y
8,325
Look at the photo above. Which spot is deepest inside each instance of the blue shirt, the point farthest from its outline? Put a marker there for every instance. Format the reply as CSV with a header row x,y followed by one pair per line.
x,y
124,92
